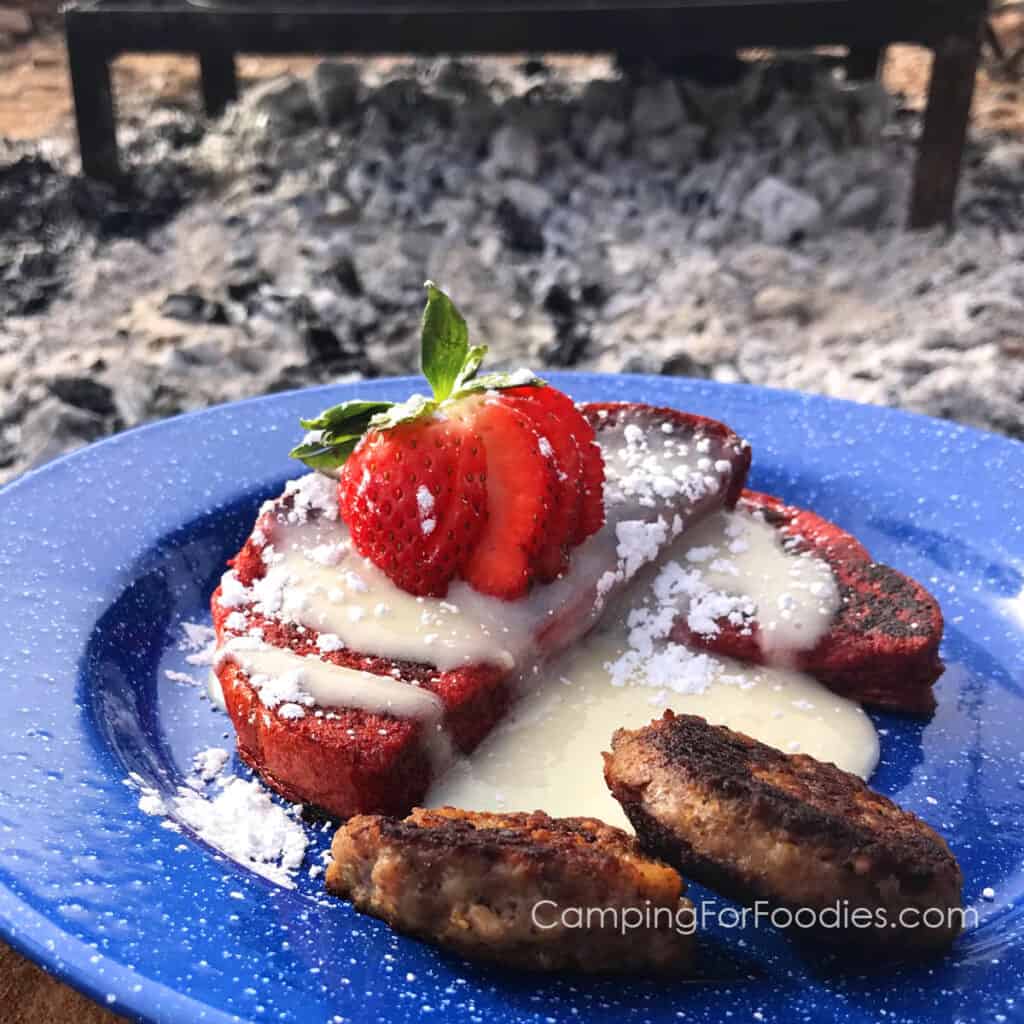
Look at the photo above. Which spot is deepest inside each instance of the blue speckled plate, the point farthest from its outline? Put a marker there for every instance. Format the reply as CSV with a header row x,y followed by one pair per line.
x,y
104,553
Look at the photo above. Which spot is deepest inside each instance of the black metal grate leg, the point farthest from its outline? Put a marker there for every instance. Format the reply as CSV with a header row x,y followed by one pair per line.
x,y
219,80
945,129
94,107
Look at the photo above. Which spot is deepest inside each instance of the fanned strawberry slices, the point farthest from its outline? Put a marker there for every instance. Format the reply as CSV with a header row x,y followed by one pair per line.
x,y
494,479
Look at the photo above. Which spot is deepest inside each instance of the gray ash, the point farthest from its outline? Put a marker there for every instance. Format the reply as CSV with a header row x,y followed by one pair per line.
x,y
745,231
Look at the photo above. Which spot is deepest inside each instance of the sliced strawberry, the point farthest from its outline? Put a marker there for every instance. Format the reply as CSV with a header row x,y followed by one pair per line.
x,y
591,468
522,488
461,514
558,442
414,500
591,517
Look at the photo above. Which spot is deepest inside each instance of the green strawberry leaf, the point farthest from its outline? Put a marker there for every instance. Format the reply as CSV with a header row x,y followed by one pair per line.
x,y
449,363
323,454
339,429
345,417
444,344
404,412
474,357
499,381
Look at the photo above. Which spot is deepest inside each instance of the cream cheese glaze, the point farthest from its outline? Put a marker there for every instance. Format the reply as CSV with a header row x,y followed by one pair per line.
x,y
316,579
793,595
282,678
293,686
547,752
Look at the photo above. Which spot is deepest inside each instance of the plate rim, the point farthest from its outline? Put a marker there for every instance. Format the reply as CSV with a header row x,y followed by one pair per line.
x,y
808,397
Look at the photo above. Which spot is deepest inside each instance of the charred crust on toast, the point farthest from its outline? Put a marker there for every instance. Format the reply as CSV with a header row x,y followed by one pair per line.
x,y
904,602
882,647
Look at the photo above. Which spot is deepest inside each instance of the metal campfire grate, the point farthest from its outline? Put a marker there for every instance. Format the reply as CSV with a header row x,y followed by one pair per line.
x,y
659,30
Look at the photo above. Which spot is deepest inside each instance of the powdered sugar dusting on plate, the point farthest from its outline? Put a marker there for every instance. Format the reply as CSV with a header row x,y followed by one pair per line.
x,y
200,641
236,816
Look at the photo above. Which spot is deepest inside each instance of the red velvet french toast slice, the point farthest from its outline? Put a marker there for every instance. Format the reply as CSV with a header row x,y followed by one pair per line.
x,y
380,621
882,645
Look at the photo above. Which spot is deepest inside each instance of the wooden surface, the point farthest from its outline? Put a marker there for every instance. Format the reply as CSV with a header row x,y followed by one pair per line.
x,y
28,995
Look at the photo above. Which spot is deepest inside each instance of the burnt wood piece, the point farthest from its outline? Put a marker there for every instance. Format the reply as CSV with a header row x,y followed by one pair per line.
x,y
664,31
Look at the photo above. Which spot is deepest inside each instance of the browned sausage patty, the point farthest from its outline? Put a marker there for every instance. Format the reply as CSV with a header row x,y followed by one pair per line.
x,y
515,888
756,824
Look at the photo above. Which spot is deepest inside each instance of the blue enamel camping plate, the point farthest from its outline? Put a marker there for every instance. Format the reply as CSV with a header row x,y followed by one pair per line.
x,y
105,553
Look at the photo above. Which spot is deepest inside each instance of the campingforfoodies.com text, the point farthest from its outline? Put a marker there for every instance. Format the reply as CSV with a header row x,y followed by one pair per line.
x,y
548,914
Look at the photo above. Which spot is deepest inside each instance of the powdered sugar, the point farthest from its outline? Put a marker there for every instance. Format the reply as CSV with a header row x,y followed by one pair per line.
x,y
672,667
425,504
282,688
328,642
209,763
727,571
639,542
181,677
521,377
151,803
200,641
236,816
233,592
195,636
328,554
678,588
651,659
312,493
653,467
235,621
